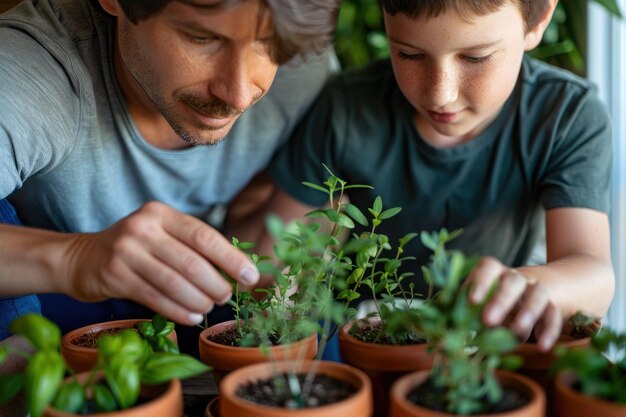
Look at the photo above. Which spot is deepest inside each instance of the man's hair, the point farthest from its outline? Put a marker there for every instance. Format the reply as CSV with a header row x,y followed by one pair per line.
x,y
300,26
532,10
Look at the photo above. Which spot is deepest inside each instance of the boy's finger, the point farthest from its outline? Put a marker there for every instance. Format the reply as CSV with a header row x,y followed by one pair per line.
x,y
510,290
532,307
482,278
552,323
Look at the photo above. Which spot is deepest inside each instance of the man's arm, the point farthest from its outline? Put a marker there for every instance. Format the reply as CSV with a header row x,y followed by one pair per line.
x,y
157,256
577,276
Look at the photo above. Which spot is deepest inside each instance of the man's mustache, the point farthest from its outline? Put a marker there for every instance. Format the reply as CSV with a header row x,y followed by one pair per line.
x,y
213,107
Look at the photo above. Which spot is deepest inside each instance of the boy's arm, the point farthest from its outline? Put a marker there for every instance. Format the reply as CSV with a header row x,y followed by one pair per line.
x,y
577,276
248,212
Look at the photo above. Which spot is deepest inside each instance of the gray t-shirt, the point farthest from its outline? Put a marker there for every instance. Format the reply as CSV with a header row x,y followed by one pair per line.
x,y
71,157
549,147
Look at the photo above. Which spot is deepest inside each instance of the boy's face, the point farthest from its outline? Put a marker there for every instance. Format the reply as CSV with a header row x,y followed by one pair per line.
x,y
456,73
195,67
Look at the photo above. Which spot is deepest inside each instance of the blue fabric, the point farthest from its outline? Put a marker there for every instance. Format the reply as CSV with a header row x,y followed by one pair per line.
x,y
13,307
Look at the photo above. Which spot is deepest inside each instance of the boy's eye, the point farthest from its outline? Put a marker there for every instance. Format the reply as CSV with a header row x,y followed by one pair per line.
x,y
477,59
411,57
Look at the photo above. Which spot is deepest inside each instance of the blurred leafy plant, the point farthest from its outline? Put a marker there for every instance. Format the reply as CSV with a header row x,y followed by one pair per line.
x,y
126,360
596,374
361,38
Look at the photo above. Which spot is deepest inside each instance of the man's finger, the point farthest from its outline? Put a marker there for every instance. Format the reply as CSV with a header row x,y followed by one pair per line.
x,y
210,244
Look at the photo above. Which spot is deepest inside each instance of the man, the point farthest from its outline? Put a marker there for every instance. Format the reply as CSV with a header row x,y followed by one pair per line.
x,y
112,116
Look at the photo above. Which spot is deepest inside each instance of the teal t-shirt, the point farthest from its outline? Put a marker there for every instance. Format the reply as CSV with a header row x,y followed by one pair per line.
x,y
549,147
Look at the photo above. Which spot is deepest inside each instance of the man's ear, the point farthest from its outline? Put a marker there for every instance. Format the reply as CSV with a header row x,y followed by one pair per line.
x,y
535,34
112,7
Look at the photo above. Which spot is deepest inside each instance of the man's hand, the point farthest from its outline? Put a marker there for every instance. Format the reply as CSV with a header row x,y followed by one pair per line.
x,y
161,258
518,302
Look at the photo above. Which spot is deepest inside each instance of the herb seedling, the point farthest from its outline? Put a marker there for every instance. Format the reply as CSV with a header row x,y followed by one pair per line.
x,y
126,360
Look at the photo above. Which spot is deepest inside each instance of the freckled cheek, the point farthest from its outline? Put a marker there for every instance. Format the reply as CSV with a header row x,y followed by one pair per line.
x,y
409,82
488,90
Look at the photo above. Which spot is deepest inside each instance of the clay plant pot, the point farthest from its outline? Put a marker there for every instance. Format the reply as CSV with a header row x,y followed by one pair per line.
x,y
165,401
568,402
357,405
400,406
536,363
81,358
383,364
213,408
224,358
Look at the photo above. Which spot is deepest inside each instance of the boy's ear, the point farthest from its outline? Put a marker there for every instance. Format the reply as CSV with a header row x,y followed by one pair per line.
x,y
535,34
112,7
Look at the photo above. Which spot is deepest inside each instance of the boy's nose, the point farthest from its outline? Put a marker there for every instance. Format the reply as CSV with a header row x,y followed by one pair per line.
x,y
443,87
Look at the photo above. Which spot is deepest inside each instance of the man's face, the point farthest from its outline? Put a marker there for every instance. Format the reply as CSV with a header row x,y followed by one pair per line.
x,y
197,67
456,73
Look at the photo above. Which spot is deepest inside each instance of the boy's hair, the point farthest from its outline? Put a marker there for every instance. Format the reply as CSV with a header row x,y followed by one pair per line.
x,y
300,26
532,10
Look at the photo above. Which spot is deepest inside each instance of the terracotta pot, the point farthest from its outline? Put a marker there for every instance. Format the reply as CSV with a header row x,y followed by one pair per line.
x,y
81,358
537,363
383,364
224,358
167,401
570,403
213,408
358,405
402,407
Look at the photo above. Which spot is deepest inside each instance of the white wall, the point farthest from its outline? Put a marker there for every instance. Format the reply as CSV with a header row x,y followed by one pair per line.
x,y
607,67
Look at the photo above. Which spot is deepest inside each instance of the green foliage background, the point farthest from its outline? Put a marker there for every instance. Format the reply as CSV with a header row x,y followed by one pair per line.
x,y
361,36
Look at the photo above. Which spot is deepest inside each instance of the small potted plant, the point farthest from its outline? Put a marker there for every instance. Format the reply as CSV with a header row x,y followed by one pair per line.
x,y
79,347
464,379
313,259
129,375
591,380
388,343
266,327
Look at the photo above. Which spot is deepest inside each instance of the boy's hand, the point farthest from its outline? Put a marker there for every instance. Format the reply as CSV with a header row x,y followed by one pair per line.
x,y
520,303
159,257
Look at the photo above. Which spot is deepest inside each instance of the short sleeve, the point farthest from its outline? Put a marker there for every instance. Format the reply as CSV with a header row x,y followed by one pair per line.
x,y
579,171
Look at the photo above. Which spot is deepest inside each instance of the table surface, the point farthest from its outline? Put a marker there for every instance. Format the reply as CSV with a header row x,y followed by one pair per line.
x,y
197,392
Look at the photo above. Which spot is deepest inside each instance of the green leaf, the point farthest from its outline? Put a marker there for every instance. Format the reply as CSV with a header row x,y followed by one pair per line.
x,y
315,187
159,322
41,332
71,398
345,221
122,375
42,379
275,226
163,367
354,212
103,398
389,213
10,385
378,206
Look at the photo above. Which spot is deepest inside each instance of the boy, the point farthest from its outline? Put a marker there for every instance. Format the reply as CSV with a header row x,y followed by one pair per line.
x,y
462,131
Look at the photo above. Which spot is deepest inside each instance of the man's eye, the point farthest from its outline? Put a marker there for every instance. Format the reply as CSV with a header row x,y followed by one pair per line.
x,y
477,59
202,40
410,57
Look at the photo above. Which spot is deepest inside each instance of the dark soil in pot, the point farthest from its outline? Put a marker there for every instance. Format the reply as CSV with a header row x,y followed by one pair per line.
x,y
231,337
90,340
273,392
431,397
373,333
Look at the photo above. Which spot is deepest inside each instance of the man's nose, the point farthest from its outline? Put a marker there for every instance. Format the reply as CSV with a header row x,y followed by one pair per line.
x,y
235,82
